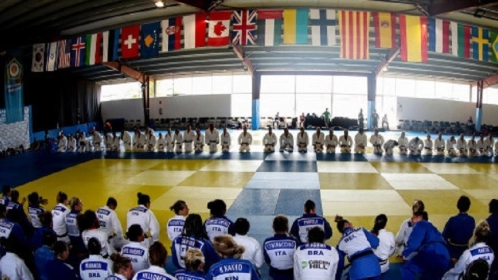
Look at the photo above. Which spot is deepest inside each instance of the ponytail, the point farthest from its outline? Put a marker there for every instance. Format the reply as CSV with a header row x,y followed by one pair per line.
x,y
380,223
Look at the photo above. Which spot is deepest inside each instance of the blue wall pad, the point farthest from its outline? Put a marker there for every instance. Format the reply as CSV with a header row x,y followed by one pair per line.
x,y
287,166
340,157
284,180
243,156
254,202
291,156
291,202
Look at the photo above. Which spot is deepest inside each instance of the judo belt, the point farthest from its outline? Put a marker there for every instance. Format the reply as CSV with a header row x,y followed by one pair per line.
x,y
213,142
427,148
359,255
111,237
466,245
383,262
63,235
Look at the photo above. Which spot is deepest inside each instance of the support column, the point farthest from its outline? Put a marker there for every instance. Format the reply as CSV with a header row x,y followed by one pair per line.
x,y
480,87
146,99
372,88
256,87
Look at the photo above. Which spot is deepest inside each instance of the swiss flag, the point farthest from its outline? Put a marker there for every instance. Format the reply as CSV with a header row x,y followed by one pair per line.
x,y
219,29
129,41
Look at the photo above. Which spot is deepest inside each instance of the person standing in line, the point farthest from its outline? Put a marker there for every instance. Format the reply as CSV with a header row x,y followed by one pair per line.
x,y
361,119
199,141
331,142
461,145
345,141
375,119
126,137
302,141
279,250
178,141
134,250
188,138
245,141
143,216
253,252
175,225
109,222
450,146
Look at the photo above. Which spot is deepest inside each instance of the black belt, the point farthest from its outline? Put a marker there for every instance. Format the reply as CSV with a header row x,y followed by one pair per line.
x,y
359,255
63,235
427,148
382,262
466,245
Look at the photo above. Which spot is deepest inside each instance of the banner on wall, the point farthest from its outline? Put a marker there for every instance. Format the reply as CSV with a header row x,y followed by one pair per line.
x,y
13,89
15,134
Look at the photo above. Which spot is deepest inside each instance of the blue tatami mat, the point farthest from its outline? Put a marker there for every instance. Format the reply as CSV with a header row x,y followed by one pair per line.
x,y
263,199
295,156
284,180
287,166
291,202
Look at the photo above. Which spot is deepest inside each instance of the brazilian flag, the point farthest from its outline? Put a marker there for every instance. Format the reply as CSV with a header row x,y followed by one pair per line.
x,y
494,46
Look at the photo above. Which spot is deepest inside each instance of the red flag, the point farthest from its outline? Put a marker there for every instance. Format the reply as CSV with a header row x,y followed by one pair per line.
x,y
129,41
219,28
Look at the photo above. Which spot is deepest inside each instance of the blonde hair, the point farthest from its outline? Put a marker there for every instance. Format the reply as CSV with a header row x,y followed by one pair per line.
x,y
193,259
226,246
482,231
73,202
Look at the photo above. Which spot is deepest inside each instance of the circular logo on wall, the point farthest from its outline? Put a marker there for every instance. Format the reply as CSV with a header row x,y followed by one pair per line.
x,y
14,69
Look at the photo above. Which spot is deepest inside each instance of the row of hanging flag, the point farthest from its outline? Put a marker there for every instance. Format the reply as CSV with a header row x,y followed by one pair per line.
x,y
316,27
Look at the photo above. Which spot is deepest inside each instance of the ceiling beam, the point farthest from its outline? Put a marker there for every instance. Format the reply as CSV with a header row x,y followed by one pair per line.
x,y
128,71
204,5
239,52
448,6
489,81
386,60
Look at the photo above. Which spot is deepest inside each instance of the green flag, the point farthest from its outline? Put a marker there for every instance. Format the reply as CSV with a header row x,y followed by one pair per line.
x,y
494,46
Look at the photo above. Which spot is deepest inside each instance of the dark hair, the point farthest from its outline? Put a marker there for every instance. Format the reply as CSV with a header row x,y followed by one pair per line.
x,y
316,234
463,203
34,199
45,219
425,216
418,207
49,238
11,244
178,206
87,220
341,223
59,248
134,232
94,246
119,262
6,189
217,207
309,206
193,227
3,210
241,226
158,254
14,196
112,201
143,198
281,224
493,206
61,197
477,270
379,223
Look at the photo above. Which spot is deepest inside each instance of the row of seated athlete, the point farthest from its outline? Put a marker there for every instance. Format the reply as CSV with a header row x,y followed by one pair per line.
x,y
68,243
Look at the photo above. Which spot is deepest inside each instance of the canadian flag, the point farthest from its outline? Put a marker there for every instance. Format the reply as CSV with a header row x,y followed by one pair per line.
x,y
129,41
219,29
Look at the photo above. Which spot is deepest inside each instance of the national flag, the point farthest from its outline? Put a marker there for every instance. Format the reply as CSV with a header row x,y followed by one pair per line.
x,y
269,30
480,43
385,30
64,55
194,31
354,34
38,61
78,51
413,34
219,29
149,42
113,44
105,47
323,28
51,56
296,26
244,27
439,35
129,41
171,34
460,40
494,46
92,45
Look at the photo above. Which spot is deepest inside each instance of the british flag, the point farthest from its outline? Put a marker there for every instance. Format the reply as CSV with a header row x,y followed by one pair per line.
x,y
244,27
64,54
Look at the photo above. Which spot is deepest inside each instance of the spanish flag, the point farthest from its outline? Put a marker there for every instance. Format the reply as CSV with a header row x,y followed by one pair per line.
x,y
413,31
385,30
354,34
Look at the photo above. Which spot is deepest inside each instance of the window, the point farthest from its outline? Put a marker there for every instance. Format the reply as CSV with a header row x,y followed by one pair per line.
x,y
405,87
348,105
278,84
312,103
461,92
202,85
350,85
444,90
424,89
182,86
222,84
270,104
490,96
242,84
313,84
164,87
389,86
120,91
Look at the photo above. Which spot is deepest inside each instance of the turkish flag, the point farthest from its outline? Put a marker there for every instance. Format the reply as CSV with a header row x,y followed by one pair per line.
x,y
219,29
129,41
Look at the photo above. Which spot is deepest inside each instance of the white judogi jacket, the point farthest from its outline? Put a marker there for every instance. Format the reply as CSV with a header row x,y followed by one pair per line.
x,y
72,144
413,145
153,272
199,141
96,138
472,144
108,140
286,140
315,261
478,251
253,252
389,145
151,141
95,267
189,136
318,139
344,141
146,219
101,236
403,142
225,139
126,136
212,137
109,221
331,142
439,144
174,226
59,214
115,142
169,139
450,144
178,138
139,140
489,143
376,140
12,267
138,254
303,139
63,143
481,145
461,144
245,138
270,139
385,249
161,142
360,140
428,144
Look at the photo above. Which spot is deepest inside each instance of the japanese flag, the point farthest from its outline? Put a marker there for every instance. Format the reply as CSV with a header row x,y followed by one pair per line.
x,y
219,29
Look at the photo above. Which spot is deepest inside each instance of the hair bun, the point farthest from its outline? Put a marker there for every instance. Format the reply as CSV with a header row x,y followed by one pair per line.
x,y
139,194
210,205
338,218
